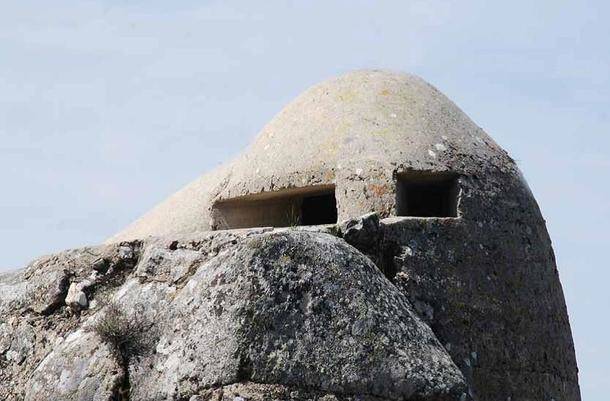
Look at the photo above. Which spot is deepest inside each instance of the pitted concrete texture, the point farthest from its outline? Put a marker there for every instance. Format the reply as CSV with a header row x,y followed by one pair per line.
x,y
357,132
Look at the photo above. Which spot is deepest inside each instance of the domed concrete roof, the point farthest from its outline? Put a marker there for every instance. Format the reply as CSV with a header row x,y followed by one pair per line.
x,y
371,124
365,115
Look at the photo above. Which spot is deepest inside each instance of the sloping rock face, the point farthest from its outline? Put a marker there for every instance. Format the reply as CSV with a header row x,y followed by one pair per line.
x,y
254,314
45,351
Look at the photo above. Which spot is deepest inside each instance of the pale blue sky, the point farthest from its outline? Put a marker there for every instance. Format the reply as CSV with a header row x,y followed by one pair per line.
x,y
108,107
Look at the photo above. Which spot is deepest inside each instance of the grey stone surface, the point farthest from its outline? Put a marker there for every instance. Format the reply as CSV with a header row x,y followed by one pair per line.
x,y
294,312
80,367
362,232
299,309
249,391
76,297
35,323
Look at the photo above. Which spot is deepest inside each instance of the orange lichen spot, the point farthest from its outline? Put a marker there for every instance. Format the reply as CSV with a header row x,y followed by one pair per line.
x,y
378,190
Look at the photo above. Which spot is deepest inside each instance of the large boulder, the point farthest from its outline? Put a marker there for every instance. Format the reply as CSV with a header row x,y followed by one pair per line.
x,y
299,309
252,314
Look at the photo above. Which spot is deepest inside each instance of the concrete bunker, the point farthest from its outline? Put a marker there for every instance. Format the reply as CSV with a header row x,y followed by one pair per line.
x,y
427,194
481,289
290,207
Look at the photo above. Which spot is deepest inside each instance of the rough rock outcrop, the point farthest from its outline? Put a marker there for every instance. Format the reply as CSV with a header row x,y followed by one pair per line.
x,y
252,314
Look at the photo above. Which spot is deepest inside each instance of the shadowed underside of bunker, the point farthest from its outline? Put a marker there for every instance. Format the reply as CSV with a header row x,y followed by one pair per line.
x,y
462,231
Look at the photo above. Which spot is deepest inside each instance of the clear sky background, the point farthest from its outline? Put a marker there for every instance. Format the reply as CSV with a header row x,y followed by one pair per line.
x,y
108,107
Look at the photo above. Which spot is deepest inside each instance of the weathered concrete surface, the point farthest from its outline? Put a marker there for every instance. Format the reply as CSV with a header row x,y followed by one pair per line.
x,y
491,290
501,318
294,312
357,132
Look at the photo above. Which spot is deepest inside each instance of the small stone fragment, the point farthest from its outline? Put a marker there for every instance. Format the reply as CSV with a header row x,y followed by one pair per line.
x,y
76,297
